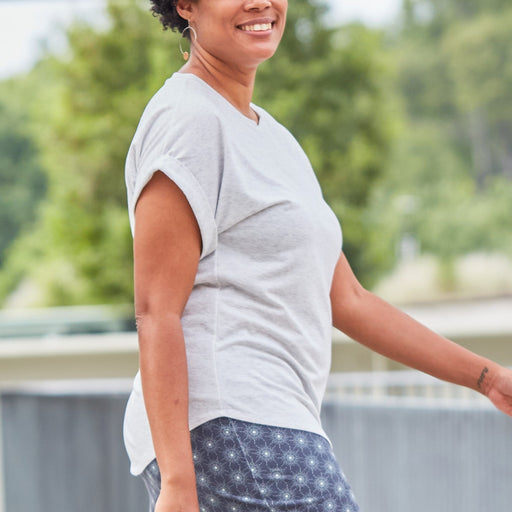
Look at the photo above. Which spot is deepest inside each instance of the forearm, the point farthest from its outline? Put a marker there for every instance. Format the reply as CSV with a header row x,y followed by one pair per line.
x,y
390,332
164,376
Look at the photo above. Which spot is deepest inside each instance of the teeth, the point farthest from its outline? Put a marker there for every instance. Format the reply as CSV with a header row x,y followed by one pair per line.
x,y
259,27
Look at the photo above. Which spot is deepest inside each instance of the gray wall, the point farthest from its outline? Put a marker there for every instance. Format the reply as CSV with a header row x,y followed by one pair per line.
x,y
402,456
64,453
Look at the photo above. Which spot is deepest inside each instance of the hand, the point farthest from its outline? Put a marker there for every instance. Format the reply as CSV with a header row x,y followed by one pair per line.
x,y
174,499
500,390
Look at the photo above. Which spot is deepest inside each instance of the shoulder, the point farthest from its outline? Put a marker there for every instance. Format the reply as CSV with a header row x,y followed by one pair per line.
x,y
182,101
178,119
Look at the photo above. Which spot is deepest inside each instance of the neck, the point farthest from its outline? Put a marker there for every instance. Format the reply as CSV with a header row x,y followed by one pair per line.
x,y
235,84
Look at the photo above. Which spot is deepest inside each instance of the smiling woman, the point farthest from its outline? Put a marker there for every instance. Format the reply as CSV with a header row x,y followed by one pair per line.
x,y
234,37
239,278
231,235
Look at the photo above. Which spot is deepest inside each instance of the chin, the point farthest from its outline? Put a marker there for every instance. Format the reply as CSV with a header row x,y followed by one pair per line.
x,y
263,55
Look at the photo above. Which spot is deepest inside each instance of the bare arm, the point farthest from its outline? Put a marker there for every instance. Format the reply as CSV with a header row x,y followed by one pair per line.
x,y
167,247
390,332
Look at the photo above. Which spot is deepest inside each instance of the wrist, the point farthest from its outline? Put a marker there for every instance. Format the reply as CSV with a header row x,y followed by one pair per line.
x,y
181,478
177,498
486,378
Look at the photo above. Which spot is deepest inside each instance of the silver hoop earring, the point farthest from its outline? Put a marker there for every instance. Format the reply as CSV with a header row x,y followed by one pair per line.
x,y
186,55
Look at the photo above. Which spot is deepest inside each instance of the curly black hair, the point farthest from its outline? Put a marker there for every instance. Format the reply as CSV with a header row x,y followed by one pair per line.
x,y
169,17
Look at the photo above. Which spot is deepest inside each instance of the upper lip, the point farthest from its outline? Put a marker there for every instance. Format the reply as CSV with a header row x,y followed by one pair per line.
x,y
256,21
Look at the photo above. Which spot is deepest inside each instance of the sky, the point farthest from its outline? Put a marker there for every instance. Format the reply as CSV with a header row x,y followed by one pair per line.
x,y
27,26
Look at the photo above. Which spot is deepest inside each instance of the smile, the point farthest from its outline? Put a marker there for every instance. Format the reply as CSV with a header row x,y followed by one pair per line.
x,y
258,27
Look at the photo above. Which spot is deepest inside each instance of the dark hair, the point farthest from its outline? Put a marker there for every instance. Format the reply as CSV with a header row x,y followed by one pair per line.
x,y
169,17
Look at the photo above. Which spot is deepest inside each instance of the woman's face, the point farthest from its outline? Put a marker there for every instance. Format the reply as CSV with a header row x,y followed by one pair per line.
x,y
242,33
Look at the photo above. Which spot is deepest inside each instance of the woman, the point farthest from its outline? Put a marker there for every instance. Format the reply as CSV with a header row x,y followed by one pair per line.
x,y
238,259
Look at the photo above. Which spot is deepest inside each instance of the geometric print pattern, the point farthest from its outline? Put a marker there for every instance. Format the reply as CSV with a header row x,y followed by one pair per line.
x,y
248,467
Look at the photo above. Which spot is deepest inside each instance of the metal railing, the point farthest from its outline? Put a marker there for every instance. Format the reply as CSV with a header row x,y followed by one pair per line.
x,y
397,384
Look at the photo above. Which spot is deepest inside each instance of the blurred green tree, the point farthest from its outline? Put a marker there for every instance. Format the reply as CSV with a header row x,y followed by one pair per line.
x,y
454,153
429,194
454,60
479,57
22,181
87,107
325,85
435,18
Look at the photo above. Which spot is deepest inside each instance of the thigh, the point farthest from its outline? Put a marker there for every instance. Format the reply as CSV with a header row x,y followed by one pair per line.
x,y
151,478
247,467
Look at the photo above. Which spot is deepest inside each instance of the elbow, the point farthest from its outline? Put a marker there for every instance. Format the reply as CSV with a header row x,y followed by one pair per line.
x,y
154,309
155,324
348,305
146,317
143,314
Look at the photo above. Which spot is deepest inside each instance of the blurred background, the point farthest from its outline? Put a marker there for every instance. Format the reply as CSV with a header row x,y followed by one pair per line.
x,y
405,110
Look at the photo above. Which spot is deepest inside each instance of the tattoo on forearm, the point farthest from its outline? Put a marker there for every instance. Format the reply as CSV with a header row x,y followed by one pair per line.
x,y
482,377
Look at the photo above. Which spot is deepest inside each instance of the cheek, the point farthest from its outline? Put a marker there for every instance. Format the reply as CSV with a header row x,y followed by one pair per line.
x,y
214,31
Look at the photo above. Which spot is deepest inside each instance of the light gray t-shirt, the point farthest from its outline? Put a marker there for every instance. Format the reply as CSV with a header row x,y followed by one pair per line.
x,y
257,325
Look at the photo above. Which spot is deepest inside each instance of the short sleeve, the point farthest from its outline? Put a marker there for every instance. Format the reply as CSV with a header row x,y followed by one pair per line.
x,y
184,144
191,188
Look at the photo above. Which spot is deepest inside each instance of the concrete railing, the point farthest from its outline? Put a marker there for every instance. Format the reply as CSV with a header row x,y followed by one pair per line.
x,y
61,321
107,355
58,352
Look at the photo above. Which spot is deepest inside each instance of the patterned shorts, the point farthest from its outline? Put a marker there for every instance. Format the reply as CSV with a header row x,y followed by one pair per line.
x,y
248,467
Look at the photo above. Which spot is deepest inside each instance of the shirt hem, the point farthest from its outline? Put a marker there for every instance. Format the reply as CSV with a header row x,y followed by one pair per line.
x,y
139,466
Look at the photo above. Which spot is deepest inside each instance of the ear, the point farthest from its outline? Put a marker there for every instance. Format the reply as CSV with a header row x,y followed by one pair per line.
x,y
185,8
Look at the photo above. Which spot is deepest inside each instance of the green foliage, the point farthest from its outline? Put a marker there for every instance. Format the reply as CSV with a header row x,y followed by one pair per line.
x,y
462,73
434,18
22,181
429,193
445,180
84,119
453,161
479,56
325,85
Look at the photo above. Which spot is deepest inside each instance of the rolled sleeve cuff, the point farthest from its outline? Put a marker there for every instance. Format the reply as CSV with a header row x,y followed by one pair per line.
x,y
192,190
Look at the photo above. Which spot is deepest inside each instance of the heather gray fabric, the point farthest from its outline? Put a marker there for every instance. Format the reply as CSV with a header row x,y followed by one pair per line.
x,y
258,322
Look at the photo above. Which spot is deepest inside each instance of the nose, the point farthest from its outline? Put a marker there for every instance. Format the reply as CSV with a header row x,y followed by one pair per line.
x,y
257,5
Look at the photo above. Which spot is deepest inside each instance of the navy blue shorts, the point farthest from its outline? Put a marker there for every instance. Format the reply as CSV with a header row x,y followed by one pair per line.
x,y
248,467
